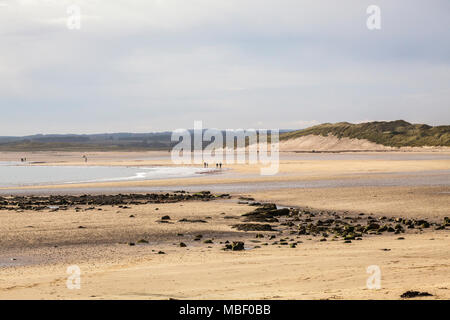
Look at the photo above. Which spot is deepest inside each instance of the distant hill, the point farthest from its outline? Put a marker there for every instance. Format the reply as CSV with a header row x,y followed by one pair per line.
x,y
92,142
387,133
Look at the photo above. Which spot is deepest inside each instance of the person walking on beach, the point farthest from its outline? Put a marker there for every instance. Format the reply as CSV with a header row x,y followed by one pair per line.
x,y
220,165
85,158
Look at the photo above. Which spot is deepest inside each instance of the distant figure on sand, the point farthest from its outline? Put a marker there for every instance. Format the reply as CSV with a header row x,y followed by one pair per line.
x,y
85,158
220,165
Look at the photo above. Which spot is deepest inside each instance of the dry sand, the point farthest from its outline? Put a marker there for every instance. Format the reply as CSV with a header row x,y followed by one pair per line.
x,y
111,269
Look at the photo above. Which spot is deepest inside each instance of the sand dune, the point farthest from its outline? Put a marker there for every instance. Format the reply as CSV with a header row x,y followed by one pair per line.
x,y
333,143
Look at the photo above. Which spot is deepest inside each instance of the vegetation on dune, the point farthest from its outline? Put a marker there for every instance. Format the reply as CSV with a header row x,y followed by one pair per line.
x,y
389,133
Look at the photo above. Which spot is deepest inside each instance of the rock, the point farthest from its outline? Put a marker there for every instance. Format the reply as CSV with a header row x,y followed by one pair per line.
x,y
161,252
192,220
349,237
123,201
142,241
183,245
231,217
373,226
253,227
165,218
255,204
235,246
208,241
422,224
131,243
413,294
247,198
266,213
447,221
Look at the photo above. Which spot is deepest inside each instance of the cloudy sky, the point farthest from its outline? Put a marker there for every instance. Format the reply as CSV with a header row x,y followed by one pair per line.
x,y
149,65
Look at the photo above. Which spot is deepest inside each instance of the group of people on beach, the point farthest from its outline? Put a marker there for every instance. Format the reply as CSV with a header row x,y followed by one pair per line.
x,y
23,159
218,165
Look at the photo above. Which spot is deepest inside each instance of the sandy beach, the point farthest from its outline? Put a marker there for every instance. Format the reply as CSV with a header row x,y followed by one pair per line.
x,y
127,252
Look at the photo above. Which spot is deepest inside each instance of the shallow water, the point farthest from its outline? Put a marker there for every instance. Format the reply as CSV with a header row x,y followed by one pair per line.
x,y
15,174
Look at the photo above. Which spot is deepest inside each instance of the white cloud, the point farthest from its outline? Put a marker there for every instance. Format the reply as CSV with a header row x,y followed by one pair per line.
x,y
162,64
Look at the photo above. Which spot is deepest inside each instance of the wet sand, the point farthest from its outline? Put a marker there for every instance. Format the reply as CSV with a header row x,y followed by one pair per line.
x,y
37,247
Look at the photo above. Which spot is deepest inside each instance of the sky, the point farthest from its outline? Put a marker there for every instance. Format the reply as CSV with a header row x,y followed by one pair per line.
x,y
153,65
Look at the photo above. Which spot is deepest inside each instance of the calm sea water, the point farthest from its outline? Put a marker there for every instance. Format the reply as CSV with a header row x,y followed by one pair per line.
x,y
14,174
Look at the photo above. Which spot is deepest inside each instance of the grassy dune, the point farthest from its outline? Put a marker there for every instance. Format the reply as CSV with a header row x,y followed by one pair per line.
x,y
389,133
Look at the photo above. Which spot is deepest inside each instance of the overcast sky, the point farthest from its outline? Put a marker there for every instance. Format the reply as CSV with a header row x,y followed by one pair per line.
x,y
150,65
